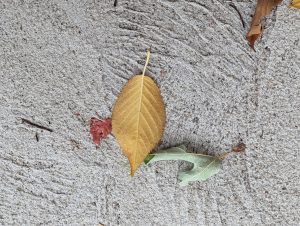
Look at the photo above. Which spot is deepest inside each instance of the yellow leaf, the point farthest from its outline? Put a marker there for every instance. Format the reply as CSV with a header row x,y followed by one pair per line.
x,y
138,118
295,4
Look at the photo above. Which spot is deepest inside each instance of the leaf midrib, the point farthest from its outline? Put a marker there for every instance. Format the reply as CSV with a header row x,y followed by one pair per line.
x,y
138,121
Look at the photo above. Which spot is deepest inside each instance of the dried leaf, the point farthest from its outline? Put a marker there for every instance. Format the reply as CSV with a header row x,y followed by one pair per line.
x,y
263,8
204,167
239,148
138,118
295,4
100,129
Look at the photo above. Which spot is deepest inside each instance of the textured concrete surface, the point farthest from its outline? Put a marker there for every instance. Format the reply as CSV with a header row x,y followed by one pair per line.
x,y
59,58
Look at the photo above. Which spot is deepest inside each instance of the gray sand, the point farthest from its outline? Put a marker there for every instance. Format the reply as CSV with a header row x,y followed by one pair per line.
x,y
60,58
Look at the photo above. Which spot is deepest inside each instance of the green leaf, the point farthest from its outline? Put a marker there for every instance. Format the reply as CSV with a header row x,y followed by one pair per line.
x,y
204,167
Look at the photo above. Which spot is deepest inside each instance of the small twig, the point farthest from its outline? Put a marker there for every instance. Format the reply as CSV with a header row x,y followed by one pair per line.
x,y
37,137
36,125
115,3
236,9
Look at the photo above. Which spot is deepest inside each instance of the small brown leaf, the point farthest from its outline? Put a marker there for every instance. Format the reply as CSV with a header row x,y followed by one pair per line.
x,y
100,129
239,148
263,8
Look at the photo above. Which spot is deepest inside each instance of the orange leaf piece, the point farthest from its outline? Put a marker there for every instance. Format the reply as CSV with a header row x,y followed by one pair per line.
x,y
263,8
295,4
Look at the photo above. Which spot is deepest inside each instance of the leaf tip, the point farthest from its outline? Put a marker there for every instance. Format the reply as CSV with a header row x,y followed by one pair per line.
x,y
251,40
132,172
183,184
133,167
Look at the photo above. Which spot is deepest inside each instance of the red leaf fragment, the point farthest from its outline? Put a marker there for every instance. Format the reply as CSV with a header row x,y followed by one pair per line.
x,y
100,129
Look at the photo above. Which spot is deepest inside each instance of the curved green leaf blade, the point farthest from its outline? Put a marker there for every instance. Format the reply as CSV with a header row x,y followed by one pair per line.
x,y
204,167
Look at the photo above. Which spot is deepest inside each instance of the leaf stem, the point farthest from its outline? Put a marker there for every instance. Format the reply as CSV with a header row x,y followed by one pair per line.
x,y
237,149
224,156
147,62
